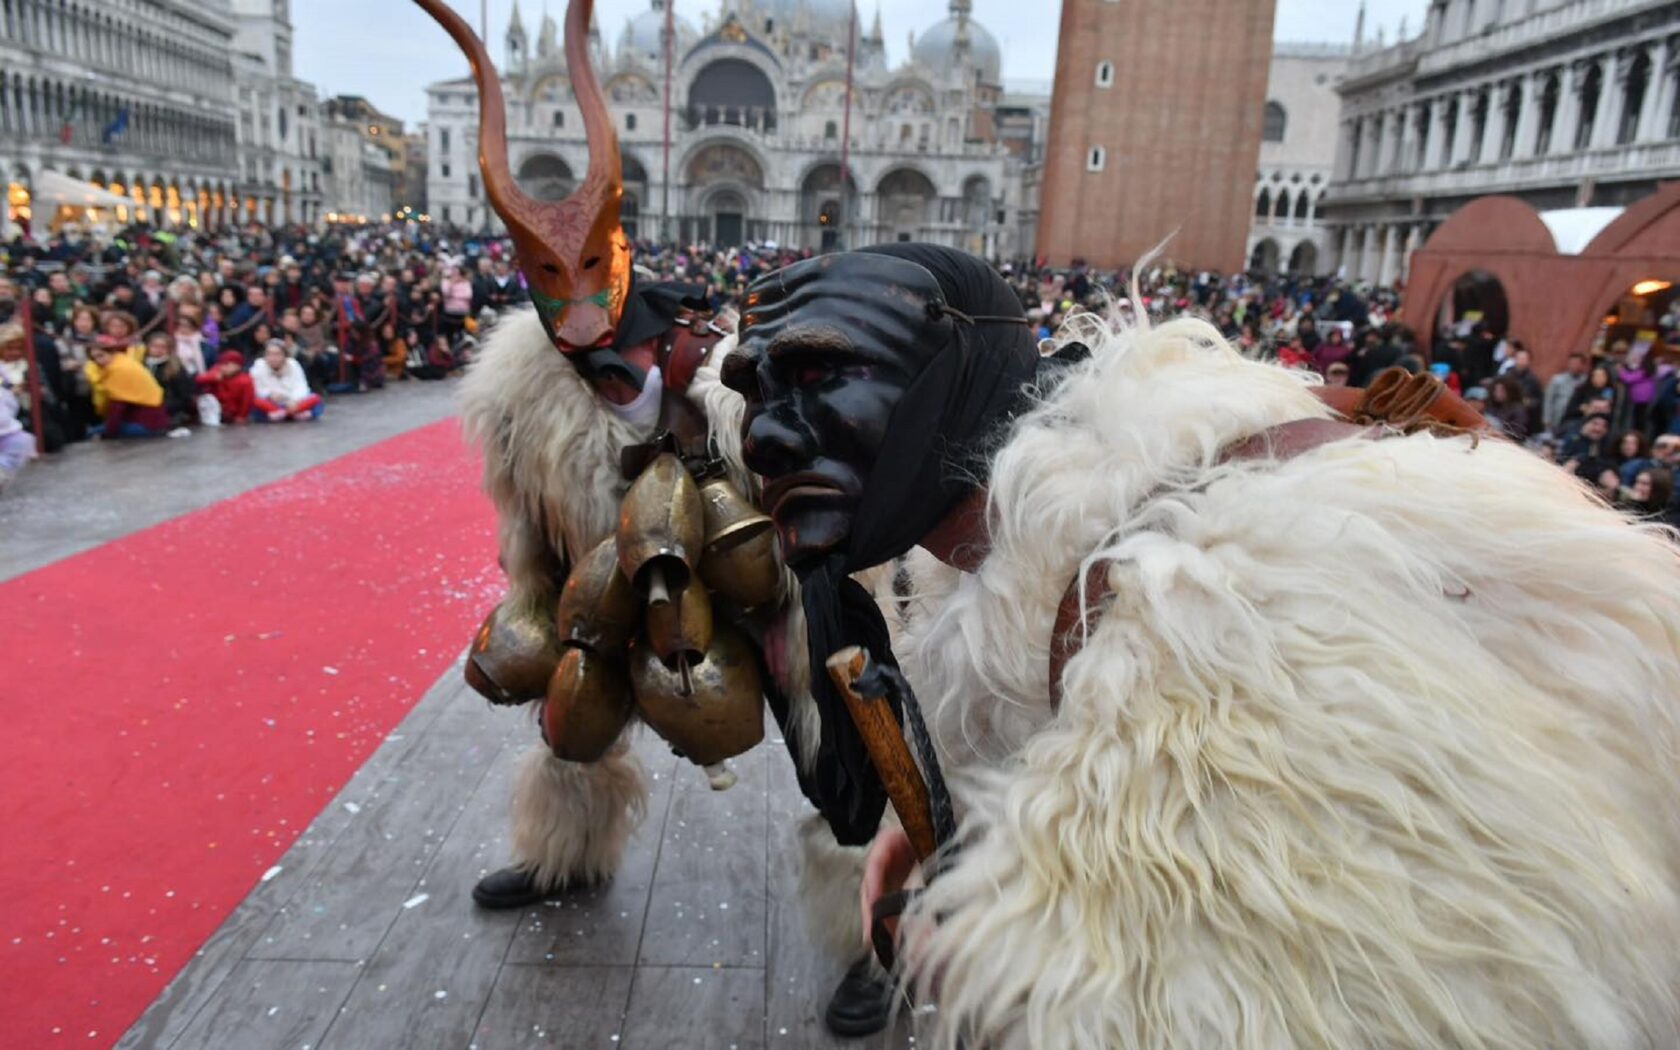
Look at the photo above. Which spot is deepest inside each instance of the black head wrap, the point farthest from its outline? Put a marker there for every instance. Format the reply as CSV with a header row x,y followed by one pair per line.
x,y
959,331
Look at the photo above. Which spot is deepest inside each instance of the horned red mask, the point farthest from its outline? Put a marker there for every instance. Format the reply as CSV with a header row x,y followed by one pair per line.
x,y
573,253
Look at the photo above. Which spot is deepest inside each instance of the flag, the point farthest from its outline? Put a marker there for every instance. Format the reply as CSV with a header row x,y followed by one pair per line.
x,y
116,127
67,130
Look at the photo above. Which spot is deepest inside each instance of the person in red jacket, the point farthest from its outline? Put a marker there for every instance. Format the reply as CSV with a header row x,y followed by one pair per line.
x,y
231,386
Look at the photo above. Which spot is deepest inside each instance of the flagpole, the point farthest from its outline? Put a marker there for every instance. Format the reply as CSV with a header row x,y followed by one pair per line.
x,y
846,132
670,47
484,21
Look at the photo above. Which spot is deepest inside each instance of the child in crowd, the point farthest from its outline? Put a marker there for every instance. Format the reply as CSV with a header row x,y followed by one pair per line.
x,y
232,388
282,390
127,397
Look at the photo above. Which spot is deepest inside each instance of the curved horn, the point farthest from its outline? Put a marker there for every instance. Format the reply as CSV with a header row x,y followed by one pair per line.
x,y
499,185
605,166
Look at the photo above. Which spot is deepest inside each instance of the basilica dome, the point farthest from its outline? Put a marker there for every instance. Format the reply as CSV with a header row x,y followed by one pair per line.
x,y
937,47
642,34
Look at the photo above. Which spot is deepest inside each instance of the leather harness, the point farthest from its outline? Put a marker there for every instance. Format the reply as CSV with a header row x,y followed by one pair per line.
x,y
1396,403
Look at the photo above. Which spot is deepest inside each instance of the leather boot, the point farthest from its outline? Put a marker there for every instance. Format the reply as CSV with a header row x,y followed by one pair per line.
x,y
510,888
862,1002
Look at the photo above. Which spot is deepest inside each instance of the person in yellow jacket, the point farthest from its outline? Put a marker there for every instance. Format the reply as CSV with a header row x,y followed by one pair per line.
x,y
125,394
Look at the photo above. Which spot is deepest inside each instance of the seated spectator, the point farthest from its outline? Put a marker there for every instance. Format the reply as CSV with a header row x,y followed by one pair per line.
x,y
1599,385
1651,496
1506,409
1608,484
396,351
1665,452
17,445
1633,454
129,400
1334,349
180,392
1587,453
282,391
1336,374
118,329
316,353
189,341
435,362
1294,355
231,387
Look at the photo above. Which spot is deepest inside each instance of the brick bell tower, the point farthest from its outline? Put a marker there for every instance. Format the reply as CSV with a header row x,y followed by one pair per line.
x,y
1154,126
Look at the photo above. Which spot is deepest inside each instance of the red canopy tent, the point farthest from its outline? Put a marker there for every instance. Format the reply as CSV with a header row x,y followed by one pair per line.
x,y
1556,298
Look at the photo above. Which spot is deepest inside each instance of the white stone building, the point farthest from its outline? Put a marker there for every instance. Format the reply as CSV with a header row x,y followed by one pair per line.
x,y
1558,102
1297,157
137,98
279,119
758,112
359,181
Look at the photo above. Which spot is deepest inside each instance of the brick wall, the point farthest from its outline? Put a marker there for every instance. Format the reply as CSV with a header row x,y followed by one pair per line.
x,y
1180,127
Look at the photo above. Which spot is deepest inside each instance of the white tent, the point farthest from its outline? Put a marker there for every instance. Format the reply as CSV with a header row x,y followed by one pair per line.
x,y
51,190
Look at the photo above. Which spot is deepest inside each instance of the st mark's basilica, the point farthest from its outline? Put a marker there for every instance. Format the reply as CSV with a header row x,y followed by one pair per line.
x,y
758,111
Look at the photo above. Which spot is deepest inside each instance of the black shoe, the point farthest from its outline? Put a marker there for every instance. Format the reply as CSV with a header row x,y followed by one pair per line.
x,y
509,888
862,1003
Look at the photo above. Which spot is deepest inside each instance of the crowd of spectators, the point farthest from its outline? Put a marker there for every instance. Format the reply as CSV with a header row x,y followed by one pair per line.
x,y
1611,415
152,333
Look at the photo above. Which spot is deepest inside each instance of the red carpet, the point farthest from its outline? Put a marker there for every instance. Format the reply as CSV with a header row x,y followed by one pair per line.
x,y
179,704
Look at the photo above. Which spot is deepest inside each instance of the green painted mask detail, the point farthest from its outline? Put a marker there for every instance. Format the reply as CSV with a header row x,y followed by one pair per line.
x,y
551,309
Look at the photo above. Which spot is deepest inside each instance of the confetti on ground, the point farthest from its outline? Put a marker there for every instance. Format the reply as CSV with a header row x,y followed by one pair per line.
x,y
179,783
271,872
417,900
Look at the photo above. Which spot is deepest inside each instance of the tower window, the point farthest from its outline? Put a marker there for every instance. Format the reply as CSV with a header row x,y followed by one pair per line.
x,y
1105,74
1097,159
559,118
629,122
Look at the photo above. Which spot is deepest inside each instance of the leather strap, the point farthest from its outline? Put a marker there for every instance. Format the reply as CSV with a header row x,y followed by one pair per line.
x,y
883,925
688,345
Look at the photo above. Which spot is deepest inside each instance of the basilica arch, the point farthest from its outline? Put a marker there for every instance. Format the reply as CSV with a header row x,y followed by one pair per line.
x,y
904,204
731,91
822,205
546,176
725,182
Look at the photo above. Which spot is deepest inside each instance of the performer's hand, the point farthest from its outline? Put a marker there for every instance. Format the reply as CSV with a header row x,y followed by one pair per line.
x,y
886,869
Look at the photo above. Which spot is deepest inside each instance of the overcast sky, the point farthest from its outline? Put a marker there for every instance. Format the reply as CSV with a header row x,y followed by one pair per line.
x,y
388,50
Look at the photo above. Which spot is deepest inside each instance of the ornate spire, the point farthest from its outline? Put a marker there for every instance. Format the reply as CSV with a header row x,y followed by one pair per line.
x,y
516,24
1359,29
875,27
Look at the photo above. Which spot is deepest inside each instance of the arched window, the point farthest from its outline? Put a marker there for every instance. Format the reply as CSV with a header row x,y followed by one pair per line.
x,y
830,130
629,122
1283,204
1277,122
1105,74
1302,201
1097,159
1633,99
1263,205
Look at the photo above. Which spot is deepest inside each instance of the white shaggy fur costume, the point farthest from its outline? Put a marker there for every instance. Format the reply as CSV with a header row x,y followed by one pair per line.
x,y
551,466
1372,747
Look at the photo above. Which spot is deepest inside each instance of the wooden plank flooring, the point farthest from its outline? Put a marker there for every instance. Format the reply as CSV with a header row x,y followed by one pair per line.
x,y
368,937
